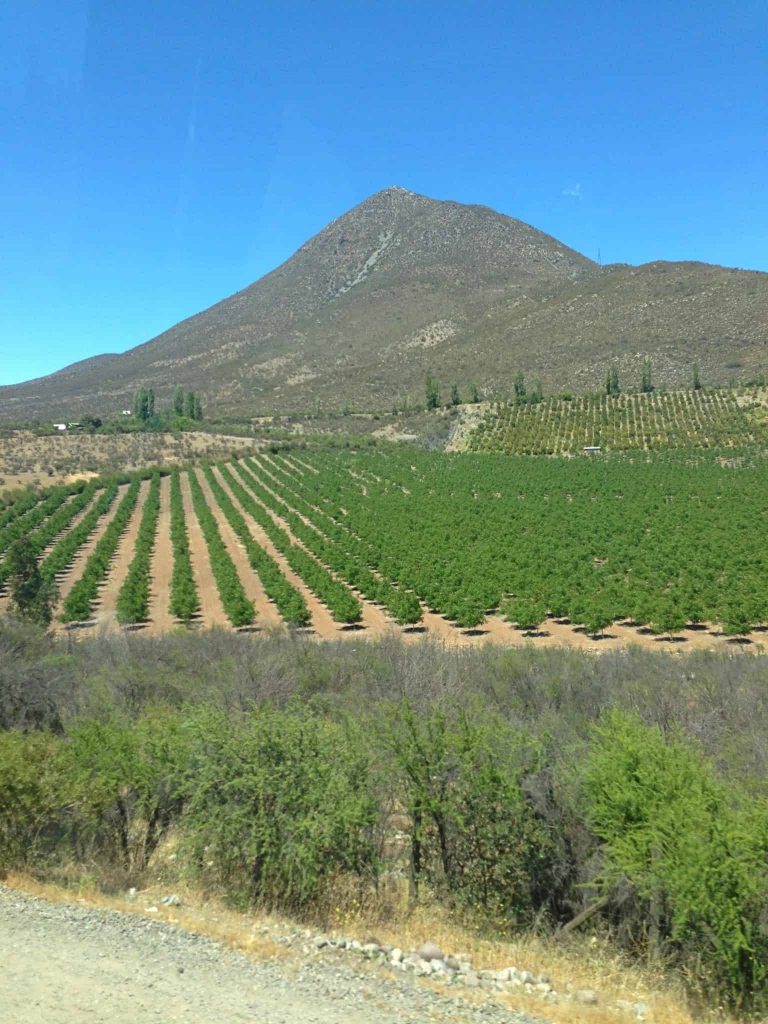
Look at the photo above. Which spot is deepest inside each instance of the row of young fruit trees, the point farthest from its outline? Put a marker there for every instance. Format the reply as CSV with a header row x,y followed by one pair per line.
x,y
665,541
660,420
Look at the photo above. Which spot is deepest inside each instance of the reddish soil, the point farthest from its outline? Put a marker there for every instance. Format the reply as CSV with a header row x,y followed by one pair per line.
x,y
5,596
105,612
375,622
211,610
267,615
72,524
552,633
322,622
161,566
69,577
374,618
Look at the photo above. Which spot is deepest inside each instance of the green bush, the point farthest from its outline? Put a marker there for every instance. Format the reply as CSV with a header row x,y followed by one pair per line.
x,y
694,853
127,783
34,800
277,805
474,836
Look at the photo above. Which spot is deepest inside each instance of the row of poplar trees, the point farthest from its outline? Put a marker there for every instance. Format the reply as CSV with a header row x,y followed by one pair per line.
x,y
185,403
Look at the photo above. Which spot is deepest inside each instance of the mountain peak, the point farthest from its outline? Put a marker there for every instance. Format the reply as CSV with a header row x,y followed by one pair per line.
x,y
403,285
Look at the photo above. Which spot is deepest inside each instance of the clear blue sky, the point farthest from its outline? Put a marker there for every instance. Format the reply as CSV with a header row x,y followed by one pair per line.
x,y
158,156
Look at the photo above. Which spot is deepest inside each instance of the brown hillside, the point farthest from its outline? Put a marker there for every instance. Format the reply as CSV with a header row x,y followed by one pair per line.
x,y
403,284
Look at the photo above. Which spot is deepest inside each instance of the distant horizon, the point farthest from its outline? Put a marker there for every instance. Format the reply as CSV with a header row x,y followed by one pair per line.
x,y
157,160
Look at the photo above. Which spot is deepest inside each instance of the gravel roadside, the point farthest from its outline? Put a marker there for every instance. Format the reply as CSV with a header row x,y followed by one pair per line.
x,y
66,963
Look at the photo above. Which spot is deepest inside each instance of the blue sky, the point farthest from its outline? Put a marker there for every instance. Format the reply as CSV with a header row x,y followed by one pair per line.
x,y
156,157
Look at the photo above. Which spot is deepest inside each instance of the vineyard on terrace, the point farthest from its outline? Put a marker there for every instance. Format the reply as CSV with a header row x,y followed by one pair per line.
x,y
675,419
462,547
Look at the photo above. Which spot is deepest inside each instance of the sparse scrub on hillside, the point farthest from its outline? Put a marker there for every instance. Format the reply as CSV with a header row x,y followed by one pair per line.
x,y
26,458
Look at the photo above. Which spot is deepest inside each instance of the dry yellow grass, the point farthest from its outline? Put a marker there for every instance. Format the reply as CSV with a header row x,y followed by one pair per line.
x,y
577,964
248,933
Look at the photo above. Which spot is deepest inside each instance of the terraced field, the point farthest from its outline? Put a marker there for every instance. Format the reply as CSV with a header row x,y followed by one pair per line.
x,y
665,551
650,422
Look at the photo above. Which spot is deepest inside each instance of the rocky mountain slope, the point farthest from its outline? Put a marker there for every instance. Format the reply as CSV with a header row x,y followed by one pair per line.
x,y
402,285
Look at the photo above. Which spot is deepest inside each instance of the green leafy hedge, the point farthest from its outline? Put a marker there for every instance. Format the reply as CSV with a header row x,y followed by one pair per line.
x,y
79,601
184,598
133,598
290,603
342,604
238,608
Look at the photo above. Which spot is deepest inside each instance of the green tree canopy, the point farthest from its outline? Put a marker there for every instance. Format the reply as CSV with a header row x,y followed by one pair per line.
x,y
32,594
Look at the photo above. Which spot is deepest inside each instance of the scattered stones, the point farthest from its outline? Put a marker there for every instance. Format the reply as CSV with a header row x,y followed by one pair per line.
x,y
449,974
316,989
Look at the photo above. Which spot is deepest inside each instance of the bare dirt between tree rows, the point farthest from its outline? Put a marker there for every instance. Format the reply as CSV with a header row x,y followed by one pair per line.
x,y
323,625
211,609
5,595
105,613
374,619
67,579
161,565
375,622
66,964
267,615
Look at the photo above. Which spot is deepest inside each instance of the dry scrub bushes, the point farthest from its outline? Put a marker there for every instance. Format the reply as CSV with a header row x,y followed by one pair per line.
x,y
529,786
